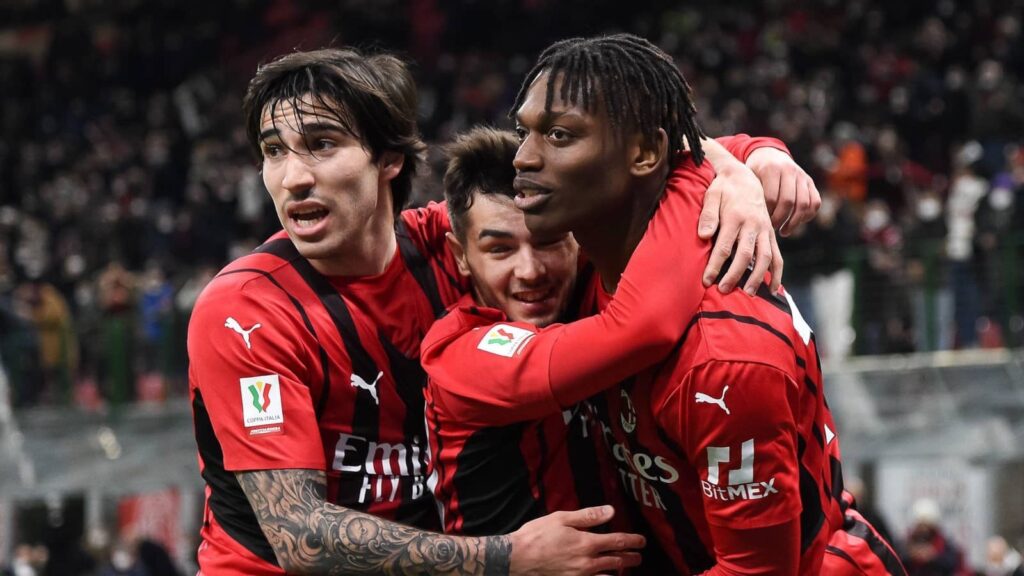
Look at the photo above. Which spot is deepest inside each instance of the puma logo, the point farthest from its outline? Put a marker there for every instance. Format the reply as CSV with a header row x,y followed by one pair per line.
x,y
234,325
703,398
357,382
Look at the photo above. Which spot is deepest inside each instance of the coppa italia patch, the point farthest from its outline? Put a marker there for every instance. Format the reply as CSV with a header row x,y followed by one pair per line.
x,y
261,401
505,340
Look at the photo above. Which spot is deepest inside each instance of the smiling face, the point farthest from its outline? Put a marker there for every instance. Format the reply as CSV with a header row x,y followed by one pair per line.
x,y
528,277
573,169
332,197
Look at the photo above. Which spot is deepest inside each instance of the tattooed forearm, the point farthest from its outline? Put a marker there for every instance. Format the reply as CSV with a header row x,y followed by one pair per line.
x,y
311,536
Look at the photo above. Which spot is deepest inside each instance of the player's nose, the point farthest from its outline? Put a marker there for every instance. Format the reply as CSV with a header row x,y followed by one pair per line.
x,y
298,175
527,158
529,269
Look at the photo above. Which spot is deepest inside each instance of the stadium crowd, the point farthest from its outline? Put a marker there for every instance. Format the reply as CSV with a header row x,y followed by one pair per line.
x,y
125,181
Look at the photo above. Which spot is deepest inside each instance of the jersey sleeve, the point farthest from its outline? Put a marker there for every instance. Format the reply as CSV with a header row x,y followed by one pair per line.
x,y
555,367
741,145
248,361
735,422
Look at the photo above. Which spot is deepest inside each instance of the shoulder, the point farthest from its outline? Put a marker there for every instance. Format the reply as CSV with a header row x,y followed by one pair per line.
x,y
463,317
765,329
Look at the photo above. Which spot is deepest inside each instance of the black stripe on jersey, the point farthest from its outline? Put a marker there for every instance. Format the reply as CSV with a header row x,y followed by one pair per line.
x,y
877,546
583,460
812,517
764,292
410,378
419,266
326,374
492,482
543,450
818,436
841,553
366,416
227,500
837,478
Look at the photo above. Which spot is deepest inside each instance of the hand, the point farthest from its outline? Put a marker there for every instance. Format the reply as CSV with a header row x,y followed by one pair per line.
x,y
737,198
559,544
790,193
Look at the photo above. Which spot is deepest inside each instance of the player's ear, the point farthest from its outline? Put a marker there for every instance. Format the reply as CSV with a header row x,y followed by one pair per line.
x,y
459,251
390,164
648,154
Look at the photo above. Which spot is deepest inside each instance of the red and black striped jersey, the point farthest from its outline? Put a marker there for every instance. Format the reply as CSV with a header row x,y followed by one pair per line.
x,y
508,439
495,469
731,433
290,369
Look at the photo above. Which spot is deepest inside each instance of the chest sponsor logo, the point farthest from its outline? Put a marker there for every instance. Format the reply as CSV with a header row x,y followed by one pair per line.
x,y
505,340
261,401
233,324
641,473
357,382
740,483
382,466
703,398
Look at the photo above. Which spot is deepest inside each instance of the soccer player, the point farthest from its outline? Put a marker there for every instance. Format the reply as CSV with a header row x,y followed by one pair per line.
x,y
727,448
499,467
304,374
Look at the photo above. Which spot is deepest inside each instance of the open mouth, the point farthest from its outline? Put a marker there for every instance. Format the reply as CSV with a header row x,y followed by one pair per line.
x,y
533,296
308,218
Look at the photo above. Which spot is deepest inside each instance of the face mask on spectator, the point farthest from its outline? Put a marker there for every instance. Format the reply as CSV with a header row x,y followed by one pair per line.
x,y
876,219
928,209
1000,199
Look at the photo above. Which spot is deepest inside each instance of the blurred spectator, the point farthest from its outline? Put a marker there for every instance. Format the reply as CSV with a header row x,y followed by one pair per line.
x,y
124,561
116,291
40,304
1001,560
928,274
120,140
155,559
929,552
883,298
966,191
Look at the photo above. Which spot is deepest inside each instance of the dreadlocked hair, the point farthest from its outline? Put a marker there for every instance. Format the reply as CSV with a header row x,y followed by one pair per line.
x,y
639,84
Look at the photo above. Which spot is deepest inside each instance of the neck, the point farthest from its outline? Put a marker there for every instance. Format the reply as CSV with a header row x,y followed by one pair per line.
x,y
366,253
609,241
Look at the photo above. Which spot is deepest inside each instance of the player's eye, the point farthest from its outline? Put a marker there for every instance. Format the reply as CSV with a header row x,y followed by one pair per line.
x,y
323,144
521,133
559,135
498,249
272,150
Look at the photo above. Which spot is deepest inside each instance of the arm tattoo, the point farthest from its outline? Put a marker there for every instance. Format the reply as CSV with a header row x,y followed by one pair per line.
x,y
311,536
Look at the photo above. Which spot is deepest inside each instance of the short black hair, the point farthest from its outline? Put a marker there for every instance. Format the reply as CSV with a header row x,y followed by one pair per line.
x,y
639,84
373,97
479,162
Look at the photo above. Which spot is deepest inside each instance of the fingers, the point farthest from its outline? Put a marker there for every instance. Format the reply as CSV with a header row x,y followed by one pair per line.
x,y
586,517
784,183
613,563
719,254
801,207
708,222
745,249
776,266
764,254
615,542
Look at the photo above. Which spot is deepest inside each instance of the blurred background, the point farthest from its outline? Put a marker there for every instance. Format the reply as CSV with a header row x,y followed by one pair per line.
x,y
125,183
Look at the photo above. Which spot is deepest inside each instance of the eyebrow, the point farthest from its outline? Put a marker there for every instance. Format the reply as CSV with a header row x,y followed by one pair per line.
x,y
549,116
488,232
307,129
